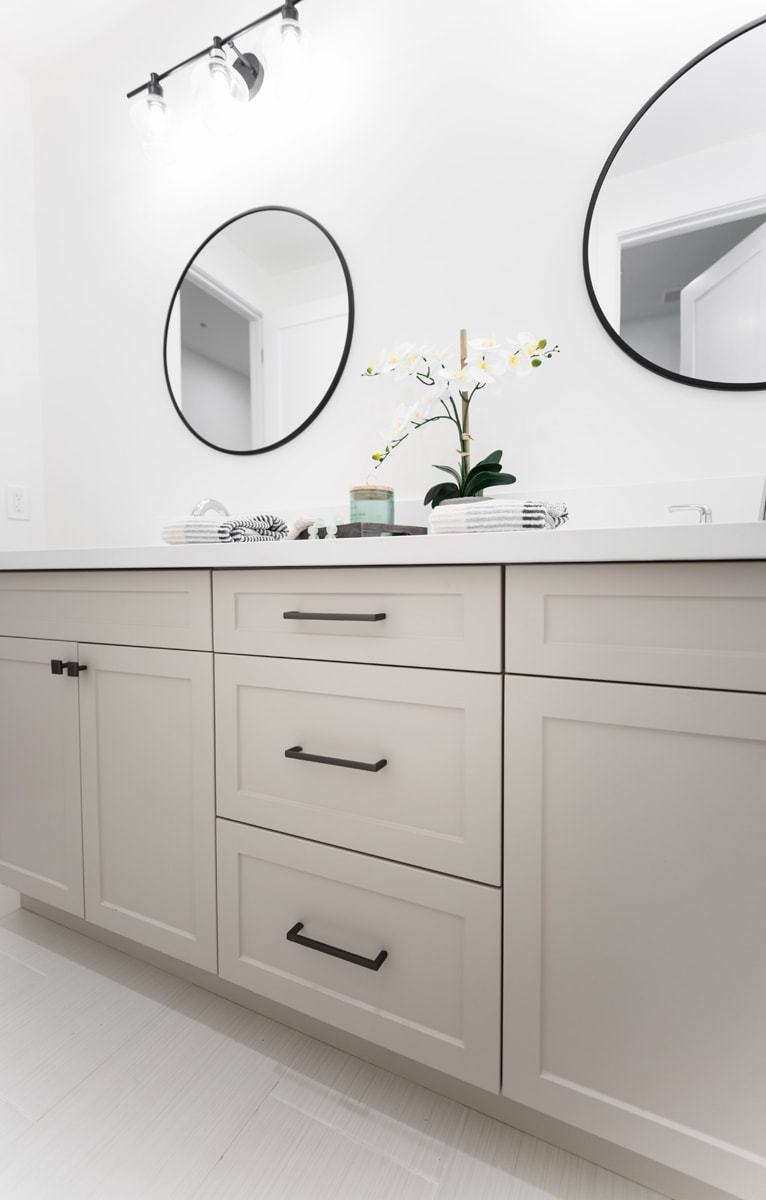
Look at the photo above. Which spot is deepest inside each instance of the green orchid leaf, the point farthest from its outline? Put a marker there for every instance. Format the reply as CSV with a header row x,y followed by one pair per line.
x,y
486,480
439,492
450,471
541,344
490,463
482,468
537,362
494,457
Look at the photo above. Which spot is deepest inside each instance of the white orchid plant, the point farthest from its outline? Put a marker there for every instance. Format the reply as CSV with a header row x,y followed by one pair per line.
x,y
449,383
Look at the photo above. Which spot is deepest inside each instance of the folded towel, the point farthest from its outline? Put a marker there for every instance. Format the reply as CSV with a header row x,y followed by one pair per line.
x,y
262,528
497,516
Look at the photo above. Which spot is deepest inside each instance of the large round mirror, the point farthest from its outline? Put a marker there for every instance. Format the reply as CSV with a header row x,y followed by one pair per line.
x,y
258,330
675,238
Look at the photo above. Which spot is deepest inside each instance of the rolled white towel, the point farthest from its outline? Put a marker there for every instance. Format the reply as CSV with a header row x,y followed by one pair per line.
x,y
265,527
496,516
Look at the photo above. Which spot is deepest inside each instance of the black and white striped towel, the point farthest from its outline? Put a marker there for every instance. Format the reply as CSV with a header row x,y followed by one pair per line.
x,y
497,516
264,527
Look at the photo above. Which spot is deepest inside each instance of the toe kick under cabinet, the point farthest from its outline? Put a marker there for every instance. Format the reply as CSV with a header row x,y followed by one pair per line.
x,y
359,804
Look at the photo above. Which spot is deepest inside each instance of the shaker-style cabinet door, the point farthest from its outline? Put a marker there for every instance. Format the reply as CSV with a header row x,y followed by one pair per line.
x,y
40,823
146,720
635,896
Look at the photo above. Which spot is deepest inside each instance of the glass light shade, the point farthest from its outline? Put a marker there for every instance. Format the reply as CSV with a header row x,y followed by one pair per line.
x,y
151,118
290,29
217,87
291,32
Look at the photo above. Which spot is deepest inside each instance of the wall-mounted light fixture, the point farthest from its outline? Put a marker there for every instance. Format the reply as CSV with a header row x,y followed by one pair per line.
x,y
220,83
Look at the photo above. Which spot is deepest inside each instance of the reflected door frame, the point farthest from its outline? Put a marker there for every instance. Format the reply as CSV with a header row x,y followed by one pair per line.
x,y
688,223
254,317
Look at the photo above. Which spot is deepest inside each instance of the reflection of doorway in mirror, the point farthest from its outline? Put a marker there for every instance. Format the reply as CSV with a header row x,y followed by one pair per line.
x,y
711,270
221,368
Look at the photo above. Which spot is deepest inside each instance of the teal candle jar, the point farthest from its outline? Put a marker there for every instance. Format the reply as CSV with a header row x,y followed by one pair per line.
x,y
375,504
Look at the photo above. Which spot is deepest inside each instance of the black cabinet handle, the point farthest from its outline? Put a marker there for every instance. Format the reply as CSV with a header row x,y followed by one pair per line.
x,y
308,616
298,752
72,669
372,964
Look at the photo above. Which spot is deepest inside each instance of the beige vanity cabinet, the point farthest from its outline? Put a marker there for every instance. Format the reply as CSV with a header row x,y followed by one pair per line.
x,y
359,803
635,860
40,819
107,771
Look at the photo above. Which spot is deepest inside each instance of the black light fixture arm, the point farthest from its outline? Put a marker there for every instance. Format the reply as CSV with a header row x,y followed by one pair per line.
x,y
157,78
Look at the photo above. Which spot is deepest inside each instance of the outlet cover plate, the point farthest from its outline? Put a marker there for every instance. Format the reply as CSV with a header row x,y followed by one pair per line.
x,y
16,502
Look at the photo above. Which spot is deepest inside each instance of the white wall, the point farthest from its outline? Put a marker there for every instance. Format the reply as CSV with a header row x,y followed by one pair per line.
x,y
20,429
451,150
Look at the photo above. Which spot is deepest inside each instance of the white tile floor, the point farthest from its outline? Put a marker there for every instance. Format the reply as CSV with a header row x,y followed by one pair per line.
x,y
120,1082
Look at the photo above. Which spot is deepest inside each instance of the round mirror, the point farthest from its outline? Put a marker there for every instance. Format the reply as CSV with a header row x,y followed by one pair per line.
x,y
675,238
258,330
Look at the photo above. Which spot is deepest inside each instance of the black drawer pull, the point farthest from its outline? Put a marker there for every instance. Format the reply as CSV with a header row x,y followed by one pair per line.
x,y
298,752
372,964
57,666
306,616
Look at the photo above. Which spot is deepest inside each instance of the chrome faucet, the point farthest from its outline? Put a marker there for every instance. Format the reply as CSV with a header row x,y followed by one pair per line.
x,y
209,505
705,512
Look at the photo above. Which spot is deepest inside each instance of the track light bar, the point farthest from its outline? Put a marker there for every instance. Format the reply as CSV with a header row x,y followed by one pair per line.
x,y
247,65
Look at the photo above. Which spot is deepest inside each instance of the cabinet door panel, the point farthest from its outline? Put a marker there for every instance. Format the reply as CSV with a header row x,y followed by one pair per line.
x,y
436,803
635,977
40,822
435,998
148,806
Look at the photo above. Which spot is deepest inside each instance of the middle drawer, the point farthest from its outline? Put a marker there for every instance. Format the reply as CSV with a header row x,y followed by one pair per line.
x,y
436,800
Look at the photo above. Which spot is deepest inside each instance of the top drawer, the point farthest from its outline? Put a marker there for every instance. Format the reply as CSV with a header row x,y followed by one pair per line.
x,y
691,624
400,616
129,608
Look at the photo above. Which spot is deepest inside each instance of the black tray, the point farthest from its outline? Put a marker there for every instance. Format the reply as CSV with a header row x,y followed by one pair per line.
x,y
356,529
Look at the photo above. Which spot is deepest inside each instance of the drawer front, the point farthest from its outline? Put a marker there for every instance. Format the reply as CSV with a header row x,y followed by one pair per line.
x,y
130,608
405,616
435,997
436,800
689,624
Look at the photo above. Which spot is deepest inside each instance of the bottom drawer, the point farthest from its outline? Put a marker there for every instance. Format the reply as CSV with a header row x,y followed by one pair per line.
x,y
435,994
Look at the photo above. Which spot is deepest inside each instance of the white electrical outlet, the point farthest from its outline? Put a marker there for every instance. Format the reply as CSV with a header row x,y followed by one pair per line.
x,y
16,502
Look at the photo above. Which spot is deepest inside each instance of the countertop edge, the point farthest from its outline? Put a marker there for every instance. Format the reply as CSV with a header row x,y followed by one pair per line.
x,y
631,544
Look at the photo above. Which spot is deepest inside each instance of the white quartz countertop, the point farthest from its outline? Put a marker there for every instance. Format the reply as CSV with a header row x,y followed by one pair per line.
x,y
632,544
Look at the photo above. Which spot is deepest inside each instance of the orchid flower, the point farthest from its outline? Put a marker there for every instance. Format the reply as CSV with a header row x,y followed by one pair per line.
x,y
447,389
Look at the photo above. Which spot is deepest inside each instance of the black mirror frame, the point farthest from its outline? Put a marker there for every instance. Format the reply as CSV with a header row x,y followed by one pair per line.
x,y
346,348
613,333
